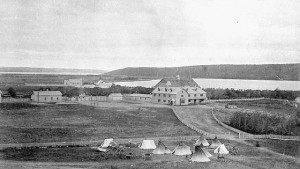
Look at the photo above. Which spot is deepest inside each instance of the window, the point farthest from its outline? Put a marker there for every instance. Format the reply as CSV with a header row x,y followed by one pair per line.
x,y
166,89
169,95
164,100
154,94
195,95
57,98
189,95
181,95
164,95
159,95
158,89
45,98
51,98
201,94
158,100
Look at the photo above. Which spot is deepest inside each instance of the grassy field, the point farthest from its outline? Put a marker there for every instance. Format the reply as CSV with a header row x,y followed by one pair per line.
x,y
248,156
25,123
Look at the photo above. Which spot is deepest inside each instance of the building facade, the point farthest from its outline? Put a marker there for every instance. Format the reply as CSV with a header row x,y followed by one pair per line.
x,y
178,95
169,95
115,97
73,82
138,97
46,96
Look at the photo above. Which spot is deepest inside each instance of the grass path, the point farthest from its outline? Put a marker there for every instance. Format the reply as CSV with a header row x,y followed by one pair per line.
x,y
201,118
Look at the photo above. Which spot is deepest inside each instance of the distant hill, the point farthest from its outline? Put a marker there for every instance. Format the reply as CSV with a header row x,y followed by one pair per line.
x,y
253,72
50,70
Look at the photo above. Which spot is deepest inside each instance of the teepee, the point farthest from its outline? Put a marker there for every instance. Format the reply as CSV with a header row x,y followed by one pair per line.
x,y
161,149
206,153
147,144
215,143
199,155
182,149
108,143
221,150
202,140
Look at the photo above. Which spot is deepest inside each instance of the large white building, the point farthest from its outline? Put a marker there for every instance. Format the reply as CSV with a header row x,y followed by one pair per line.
x,y
46,96
178,92
73,82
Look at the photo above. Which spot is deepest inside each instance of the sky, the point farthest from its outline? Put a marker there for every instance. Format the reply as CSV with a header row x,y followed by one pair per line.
x,y
114,34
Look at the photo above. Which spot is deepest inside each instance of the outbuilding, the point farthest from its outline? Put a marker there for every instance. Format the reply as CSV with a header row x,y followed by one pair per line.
x,y
46,96
115,97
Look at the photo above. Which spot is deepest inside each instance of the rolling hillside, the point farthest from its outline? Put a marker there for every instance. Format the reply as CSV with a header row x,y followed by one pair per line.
x,y
50,70
254,72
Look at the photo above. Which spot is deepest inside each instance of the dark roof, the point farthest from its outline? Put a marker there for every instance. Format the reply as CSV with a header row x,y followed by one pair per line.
x,y
174,82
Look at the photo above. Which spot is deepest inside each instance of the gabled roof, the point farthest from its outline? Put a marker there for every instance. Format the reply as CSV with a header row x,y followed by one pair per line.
x,y
167,90
47,93
174,82
193,90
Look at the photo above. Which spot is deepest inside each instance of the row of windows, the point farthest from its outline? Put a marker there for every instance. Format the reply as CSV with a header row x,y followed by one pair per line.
x,y
164,101
51,98
195,95
164,95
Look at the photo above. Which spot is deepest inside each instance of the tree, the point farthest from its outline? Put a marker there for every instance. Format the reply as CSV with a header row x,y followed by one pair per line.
x,y
11,91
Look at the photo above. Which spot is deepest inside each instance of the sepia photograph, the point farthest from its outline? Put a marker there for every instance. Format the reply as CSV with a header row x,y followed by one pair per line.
x,y
149,84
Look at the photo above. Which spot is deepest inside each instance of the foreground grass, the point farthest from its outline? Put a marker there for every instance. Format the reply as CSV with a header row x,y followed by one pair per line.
x,y
58,123
249,156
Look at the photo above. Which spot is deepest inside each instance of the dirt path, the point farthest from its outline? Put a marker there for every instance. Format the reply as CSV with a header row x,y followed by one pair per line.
x,y
201,118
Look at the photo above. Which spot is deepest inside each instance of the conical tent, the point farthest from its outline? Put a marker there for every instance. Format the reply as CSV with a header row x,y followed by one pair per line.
x,y
206,153
161,149
215,143
202,140
107,143
199,155
182,149
147,144
221,150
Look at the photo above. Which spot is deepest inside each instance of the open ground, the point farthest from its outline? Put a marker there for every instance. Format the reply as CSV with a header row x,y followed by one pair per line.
x,y
123,121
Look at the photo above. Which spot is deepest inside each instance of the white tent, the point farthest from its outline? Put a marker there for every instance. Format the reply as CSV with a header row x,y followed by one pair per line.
x,y
147,144
221,150
161,149
182,149
215,143
206,153
107,143
199,155
202,140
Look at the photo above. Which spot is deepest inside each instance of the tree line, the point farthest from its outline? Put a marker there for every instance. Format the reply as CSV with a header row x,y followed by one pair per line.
x,y
214,94
211,93
264,123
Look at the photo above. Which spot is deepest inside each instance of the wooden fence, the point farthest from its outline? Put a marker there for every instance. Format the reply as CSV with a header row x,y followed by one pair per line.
x,y
206,134
245,135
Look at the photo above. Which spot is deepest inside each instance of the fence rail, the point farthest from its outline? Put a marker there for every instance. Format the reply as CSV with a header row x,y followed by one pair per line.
x,y
245,135
206,134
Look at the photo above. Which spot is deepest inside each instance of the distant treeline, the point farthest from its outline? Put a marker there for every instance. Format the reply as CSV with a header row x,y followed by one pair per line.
x,y
264,123
213,94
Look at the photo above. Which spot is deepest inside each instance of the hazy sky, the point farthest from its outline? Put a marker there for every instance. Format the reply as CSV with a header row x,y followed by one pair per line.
x,y
112,34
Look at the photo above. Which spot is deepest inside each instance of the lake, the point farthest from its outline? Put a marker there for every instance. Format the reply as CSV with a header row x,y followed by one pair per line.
x,y
229,83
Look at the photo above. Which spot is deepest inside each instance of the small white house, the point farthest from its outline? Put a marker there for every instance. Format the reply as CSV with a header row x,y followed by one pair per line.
x,y
115,97
46,96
